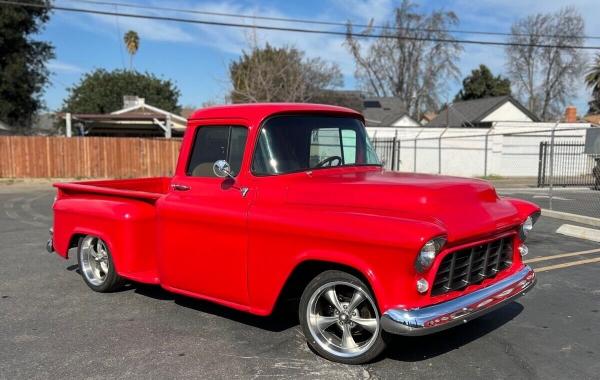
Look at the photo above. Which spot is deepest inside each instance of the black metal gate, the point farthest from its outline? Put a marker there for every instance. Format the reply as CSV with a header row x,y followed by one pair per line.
x,y
571,166
388,150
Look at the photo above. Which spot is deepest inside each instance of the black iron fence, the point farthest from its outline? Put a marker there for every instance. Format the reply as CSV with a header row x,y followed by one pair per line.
x,y
388,151
564,163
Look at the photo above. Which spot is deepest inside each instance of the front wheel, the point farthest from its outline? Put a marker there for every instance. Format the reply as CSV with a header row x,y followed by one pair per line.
x,y
96,265
340,319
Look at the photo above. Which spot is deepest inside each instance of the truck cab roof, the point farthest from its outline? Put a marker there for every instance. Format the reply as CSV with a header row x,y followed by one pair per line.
x,y
260,111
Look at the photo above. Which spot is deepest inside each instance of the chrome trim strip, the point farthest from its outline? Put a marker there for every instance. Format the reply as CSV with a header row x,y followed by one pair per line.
x,y
460,310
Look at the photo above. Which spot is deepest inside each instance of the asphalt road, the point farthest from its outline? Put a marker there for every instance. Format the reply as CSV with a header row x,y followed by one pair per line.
x,y
53,326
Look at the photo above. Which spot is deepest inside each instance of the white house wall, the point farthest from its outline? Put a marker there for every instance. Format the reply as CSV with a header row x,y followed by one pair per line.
x,y
507,112
463,149
406,121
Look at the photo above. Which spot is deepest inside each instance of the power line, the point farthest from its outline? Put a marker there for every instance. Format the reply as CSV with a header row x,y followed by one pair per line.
x,y
119,37
330,23
296,30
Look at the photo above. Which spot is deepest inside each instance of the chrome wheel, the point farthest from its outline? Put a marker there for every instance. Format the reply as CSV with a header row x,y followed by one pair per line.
x,y
343,319
95,263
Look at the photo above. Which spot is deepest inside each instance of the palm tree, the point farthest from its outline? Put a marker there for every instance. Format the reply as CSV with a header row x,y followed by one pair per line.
x,y
132,43
592,80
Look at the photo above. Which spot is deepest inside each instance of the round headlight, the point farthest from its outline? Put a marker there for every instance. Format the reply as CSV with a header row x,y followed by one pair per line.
x,y
428,253
526,227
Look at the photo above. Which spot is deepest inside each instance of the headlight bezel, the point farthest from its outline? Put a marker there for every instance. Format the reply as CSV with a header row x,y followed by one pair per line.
x,y
527,226
428,253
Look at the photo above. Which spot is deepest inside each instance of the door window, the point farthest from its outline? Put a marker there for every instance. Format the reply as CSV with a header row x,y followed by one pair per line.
x,y
217,143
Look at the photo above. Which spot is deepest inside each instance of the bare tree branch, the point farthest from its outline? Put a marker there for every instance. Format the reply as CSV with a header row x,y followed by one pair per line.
x,y
402,64
544,78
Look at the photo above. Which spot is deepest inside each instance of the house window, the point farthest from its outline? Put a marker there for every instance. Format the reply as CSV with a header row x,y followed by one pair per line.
x,y
371,104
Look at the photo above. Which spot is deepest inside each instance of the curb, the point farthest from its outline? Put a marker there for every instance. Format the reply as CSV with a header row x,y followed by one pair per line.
x,y
572,217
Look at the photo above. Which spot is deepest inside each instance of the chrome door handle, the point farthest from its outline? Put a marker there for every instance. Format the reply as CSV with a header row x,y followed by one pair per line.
x,y
178,187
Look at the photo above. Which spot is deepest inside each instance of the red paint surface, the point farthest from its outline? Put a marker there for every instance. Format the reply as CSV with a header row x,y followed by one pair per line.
x,y
212,243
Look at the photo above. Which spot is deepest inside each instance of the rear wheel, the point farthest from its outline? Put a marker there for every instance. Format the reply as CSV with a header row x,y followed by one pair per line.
x,y
340,319
96,265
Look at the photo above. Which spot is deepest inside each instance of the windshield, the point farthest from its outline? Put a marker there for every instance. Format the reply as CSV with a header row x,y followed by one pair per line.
x,y
295,143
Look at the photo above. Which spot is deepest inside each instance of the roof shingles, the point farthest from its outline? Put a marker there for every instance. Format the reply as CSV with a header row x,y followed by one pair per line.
x,y
470,112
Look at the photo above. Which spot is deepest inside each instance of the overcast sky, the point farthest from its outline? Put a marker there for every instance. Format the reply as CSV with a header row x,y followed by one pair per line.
x,y
196,57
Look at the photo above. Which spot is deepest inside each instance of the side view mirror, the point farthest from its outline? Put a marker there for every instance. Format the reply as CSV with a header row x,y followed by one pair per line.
x,y
222,169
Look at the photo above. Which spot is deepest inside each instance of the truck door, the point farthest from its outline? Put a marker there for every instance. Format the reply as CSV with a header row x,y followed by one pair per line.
x,y
203,220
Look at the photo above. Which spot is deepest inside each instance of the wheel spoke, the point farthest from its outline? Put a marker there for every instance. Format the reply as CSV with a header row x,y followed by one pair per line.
x,y
324,322
347,339
357,299
102,250
369,324
332,297
94,250
104,267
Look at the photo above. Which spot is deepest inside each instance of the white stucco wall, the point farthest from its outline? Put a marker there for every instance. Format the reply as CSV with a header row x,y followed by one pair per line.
x,y
507,112
463,150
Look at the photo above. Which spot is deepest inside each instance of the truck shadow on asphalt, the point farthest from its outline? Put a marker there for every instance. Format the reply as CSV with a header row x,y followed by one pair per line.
x,y
414,349
283,319
405,349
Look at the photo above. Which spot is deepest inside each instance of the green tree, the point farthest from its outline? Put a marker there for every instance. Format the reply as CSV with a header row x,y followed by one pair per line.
x,y
23,72
272,74
102,91
481,83
592,80
132,43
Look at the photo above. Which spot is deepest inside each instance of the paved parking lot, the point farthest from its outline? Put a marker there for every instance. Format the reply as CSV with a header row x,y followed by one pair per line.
x,y
581,201
53,326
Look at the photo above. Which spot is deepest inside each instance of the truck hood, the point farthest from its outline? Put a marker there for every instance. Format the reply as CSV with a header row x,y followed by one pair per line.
x,y
465,208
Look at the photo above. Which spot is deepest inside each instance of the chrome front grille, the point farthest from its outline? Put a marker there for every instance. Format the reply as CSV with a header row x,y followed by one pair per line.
x,y
472,265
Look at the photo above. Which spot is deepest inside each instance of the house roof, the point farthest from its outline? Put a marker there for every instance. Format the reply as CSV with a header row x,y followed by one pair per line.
x,y
383,112
469,112
143,108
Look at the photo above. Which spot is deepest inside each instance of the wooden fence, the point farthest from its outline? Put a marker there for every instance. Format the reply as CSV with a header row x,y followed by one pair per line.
x,y
86,157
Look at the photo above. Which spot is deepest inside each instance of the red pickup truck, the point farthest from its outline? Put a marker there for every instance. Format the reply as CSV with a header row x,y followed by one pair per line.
x,y
271,202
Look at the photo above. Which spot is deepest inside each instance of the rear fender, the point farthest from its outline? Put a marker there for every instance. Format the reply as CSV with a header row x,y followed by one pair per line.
x,y
127,226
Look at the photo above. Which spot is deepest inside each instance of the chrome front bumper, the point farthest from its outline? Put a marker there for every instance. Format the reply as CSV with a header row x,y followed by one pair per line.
x,y
460,310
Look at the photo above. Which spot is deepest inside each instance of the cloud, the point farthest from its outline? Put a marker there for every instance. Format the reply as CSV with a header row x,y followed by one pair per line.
x,y
232,41
63,67
363,11
150,30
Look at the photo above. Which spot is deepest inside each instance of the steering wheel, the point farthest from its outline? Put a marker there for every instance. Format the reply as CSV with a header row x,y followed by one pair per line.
x,y
329,162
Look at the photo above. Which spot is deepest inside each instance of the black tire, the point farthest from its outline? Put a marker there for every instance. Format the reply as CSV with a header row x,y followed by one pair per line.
x,y
112,280
333,277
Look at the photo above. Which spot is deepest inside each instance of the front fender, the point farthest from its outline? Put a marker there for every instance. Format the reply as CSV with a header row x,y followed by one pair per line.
x,y
381,247
524,208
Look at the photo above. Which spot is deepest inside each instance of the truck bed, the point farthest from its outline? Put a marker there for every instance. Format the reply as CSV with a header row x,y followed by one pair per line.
x,y
138,188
